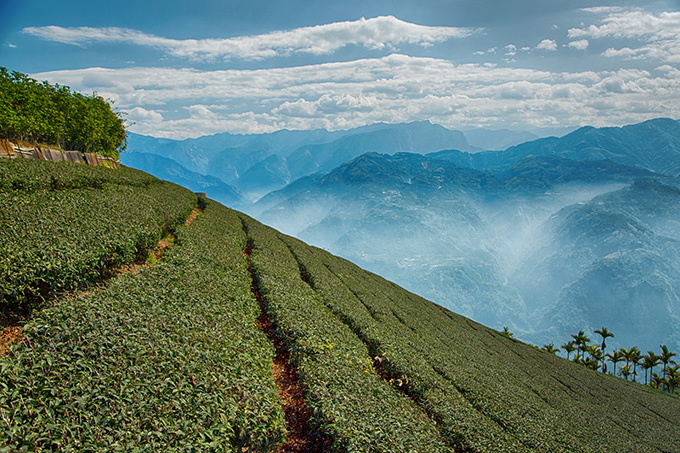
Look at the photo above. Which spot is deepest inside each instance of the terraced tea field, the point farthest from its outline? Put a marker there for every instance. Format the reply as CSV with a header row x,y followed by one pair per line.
x,y
179,356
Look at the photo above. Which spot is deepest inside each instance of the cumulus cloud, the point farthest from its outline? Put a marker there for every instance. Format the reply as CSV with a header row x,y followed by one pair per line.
x,y
375,33
581,44
547,44
658,34
395,88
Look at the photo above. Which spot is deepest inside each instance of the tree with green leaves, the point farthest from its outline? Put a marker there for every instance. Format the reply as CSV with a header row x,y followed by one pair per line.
x,y
615,357
594,357
625,371
569,348
40,113
649,361
666,358
581,342
550,348
632,356
604,333
673,378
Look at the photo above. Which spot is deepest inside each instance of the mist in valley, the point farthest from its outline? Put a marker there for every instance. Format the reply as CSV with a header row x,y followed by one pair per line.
x,y
513,259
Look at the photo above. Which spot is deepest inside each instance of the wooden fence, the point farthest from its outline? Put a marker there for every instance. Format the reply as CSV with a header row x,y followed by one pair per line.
x,y
10,150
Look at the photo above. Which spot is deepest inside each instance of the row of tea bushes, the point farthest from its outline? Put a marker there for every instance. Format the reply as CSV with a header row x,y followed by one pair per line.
x,y
66,225
352,404
481,390
168,359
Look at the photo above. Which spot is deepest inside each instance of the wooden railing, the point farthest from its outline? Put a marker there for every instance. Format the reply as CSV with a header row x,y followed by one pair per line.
x,y
13,151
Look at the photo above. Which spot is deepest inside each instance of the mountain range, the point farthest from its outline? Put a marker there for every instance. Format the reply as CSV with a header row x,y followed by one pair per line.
x,y
547,237
260,163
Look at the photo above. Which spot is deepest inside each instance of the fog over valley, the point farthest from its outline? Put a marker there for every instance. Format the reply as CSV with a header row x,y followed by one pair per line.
x,y
548,237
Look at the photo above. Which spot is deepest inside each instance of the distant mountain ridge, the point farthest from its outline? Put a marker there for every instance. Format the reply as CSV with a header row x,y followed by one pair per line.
x,y
172,171
258,164
652,145
470,240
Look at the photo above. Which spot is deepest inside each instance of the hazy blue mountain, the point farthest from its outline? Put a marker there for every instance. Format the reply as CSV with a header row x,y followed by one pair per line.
x,y
652,145
546,171
419,137
497,139
506,249
613,261
227,155
265,176
276,197
260,163
170,170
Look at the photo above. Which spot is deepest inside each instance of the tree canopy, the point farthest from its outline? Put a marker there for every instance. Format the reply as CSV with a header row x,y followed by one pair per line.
x,y
38,112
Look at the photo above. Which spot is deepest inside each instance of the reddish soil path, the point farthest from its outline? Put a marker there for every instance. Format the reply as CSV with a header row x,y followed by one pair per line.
x,y
297,413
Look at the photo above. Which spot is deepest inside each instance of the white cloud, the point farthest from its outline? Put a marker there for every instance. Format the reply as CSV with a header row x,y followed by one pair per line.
x,y
510,49
395,88
143,115
375,33
603,9
547,44
658,35
581,44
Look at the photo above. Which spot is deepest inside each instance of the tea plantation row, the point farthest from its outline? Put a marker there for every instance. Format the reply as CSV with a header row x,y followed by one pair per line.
x,y
463,387
65,225
171,358
168,359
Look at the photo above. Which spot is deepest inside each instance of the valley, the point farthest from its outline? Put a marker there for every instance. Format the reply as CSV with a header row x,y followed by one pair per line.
x,y
522,238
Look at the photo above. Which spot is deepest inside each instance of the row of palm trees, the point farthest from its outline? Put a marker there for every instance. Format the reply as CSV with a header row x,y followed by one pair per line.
x,y
595,357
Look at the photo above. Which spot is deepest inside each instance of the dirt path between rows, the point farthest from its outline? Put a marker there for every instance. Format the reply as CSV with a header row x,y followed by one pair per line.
x,y
297,413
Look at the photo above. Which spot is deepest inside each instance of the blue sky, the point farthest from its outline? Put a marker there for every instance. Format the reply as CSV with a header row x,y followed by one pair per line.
x,y
183,69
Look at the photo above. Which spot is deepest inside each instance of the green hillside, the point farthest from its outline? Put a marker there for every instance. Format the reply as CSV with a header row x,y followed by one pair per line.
x,y
240,338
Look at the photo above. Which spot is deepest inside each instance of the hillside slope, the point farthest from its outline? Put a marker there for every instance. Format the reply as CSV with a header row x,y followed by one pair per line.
x,y
183,355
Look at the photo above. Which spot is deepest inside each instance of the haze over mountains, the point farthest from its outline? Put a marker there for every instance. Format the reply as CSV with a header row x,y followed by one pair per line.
x,y
547,237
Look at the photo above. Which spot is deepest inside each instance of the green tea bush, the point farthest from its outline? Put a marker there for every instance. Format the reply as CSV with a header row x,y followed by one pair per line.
x,y
467,387
169,359
65,225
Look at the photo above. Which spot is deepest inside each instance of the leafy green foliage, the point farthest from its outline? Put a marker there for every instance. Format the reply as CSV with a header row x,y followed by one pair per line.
x,y
38,112
168,359
171,359
66,225
478,389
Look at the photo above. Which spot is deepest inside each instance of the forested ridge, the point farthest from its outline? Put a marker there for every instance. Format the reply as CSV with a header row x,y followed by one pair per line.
x,y
39,112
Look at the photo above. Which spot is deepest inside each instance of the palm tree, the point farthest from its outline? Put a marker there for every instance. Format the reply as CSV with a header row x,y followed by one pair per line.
x,y
568,348
581,341
615,357
604,333
634,358
625,353
507,332
673,378
593,362
657,381
649,361
625,371
666,357
550,348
